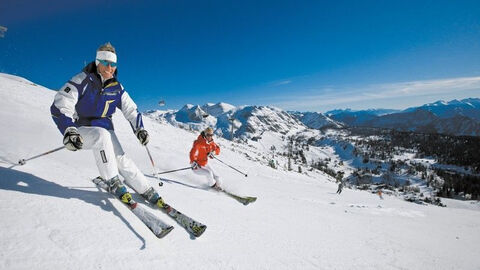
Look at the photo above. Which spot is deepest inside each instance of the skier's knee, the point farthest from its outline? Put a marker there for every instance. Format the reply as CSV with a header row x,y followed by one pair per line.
x,y
102,135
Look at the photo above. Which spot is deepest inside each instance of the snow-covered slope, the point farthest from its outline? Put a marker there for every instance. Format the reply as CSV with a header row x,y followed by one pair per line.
x,y
54,217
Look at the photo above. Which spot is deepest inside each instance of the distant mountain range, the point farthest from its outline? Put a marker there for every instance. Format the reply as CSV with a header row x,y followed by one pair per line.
x,y
467,107
456,117
354,118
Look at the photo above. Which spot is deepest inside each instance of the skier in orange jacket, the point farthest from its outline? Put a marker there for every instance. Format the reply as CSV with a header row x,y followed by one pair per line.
x,y
203,148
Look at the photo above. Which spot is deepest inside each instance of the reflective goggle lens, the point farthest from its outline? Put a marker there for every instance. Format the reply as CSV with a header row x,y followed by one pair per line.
x,y
107,63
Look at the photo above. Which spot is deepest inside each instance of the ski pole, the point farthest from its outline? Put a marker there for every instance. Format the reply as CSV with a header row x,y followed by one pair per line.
x,y
153,165
230,166
23,161
186,168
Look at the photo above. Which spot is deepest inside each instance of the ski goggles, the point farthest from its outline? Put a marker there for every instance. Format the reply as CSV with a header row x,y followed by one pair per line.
x,y
208,135
107,63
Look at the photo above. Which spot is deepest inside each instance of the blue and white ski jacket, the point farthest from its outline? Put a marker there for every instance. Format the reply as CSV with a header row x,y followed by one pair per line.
x,y
85,101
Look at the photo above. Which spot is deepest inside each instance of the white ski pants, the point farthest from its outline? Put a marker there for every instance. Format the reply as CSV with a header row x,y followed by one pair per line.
x,y
210,173
110,157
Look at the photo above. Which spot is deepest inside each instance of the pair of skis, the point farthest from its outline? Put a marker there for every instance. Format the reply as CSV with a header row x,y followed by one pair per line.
x,y
160,228
157,226
245,200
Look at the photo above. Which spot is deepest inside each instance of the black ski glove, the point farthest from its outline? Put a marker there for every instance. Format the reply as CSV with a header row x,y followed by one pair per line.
x,y
142,136
72,139
195,165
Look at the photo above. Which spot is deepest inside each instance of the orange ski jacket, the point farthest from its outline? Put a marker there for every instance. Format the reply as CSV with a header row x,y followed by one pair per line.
x,y
201,148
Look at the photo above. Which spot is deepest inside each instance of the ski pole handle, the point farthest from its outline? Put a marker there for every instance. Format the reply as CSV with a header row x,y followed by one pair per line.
x,y
230,166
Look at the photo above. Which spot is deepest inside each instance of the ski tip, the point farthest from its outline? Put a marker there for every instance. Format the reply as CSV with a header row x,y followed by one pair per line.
x,y
165,232
199,231
249,200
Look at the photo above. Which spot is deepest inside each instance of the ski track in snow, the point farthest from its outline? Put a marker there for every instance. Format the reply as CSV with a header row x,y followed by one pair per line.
x,y
54,217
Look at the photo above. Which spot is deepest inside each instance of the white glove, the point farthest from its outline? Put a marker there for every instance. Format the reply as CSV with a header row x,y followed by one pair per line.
x,y
72,139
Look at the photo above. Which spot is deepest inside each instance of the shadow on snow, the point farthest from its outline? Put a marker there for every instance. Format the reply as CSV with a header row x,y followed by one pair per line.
x,y
11,179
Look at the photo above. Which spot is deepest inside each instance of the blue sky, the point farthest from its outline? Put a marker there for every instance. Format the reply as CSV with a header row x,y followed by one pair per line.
x,y
296,55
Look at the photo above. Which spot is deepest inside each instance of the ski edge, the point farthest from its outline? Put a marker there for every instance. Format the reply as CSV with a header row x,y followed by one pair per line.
x,y
164,228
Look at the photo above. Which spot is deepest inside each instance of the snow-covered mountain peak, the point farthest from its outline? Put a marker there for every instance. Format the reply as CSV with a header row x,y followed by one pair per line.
x,y
246,121
216,109
474,102
317,120
187,106
191,113
467,107
437,103
253,121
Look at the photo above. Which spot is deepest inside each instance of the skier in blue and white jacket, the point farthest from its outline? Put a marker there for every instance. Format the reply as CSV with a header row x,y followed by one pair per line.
x,y
82,111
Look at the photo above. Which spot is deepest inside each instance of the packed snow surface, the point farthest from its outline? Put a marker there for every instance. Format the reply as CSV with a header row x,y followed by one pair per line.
x,y
55,218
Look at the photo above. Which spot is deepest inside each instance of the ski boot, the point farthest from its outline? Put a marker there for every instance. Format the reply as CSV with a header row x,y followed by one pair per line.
x,y
116,187
152,196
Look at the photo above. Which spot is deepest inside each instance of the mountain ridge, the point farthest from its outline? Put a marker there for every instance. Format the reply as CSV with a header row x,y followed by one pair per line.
x,y
250,121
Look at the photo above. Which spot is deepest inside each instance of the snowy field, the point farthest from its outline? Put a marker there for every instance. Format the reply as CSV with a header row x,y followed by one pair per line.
x,y
55,218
